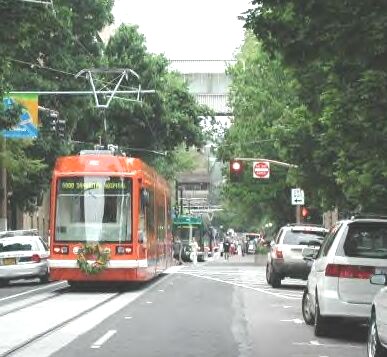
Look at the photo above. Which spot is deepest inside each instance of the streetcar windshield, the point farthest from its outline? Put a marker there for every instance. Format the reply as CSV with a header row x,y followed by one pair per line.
x,y
185,233
93,208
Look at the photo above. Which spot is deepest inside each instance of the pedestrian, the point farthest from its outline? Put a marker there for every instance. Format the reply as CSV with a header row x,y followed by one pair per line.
x,y
243,247
226,247
194,247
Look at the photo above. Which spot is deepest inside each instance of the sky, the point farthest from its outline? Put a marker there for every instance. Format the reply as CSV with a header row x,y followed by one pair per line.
x,y
183,29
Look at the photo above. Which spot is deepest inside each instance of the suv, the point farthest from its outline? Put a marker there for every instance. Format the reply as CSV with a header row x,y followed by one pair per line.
x,y
339,281
285,257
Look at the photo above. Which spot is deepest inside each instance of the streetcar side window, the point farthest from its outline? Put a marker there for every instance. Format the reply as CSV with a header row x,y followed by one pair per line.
x,y
144,201
150,212
161,220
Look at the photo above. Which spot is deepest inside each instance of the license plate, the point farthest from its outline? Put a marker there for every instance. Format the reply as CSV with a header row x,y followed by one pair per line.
x,y
9,261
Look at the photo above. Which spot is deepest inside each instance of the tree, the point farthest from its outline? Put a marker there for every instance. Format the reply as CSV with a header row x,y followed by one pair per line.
x,y
338,53
260,92
44,50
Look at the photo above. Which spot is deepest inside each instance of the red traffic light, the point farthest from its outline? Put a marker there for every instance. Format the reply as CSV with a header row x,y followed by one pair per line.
x,y
236,165
236,170
304,212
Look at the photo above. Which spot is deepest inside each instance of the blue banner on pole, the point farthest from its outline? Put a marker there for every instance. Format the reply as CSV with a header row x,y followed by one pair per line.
x,y
27,126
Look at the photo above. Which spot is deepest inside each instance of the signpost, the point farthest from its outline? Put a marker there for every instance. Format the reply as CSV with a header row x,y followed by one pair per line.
x,y
298,197
261,169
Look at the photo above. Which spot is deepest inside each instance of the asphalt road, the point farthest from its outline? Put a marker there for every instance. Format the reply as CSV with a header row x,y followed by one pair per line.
x,y
217,308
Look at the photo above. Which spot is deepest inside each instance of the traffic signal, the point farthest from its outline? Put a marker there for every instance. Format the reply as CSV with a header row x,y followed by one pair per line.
x,y
304,212
53,116
236,170
61,127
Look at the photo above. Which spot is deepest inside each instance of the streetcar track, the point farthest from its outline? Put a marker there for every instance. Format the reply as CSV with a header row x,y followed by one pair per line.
x,y
55,293
58,326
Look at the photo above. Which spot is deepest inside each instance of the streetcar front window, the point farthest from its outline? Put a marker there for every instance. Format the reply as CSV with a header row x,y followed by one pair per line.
x,y
186,233
93,209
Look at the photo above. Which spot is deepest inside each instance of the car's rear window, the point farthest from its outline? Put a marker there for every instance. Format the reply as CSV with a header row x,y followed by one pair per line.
x,y
302,237
366,241
18,246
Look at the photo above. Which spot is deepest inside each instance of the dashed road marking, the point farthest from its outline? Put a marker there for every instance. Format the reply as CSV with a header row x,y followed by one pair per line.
x,y
319,344
296,321
103,339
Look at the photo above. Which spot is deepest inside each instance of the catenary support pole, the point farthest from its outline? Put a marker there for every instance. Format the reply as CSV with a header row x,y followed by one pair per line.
x,y
3,187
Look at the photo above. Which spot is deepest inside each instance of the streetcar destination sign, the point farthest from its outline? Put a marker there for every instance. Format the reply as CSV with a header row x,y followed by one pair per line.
x,y
78,184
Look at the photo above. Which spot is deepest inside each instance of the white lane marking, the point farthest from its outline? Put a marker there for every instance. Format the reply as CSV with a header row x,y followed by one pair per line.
x,y
244,286
53,342
283,306
149,302
128,317
173,270
103,339
296,321
161,290
33,290
318,344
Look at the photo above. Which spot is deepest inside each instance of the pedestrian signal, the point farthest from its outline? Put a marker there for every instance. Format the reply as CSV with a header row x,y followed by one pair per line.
x,y
236,170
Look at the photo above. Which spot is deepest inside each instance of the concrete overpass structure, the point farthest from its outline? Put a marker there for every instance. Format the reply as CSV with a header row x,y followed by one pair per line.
x,y
198,190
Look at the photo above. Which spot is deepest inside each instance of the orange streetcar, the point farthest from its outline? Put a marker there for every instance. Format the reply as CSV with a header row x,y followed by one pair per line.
x,y
110,219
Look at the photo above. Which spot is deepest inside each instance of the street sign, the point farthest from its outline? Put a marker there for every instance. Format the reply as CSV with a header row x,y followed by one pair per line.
x,y
298,196
261,169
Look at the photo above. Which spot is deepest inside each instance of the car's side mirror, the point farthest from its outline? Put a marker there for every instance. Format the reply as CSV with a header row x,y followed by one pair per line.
x,y
378,279
272,243
309,253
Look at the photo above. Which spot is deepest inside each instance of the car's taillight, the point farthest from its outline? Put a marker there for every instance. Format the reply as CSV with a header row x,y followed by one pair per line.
x,y
35,258
349,271
61,249
121,249
278,253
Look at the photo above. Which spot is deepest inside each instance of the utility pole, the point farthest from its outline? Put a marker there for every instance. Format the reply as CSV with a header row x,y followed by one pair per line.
x,y
3,187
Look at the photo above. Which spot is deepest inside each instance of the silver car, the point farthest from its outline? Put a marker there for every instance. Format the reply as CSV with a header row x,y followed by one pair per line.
x,y
285,257
23,257
339,281
377,333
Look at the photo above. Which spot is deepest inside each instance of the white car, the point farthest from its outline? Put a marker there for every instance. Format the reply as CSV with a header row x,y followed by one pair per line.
x,y
285,257
23,257
377,332
339,281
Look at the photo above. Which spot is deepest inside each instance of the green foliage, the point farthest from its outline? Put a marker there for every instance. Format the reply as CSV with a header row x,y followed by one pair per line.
x,y
43,48
337,52
262,250
261,91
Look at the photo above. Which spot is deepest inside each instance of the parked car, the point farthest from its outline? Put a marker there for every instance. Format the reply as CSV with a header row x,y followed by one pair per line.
x,y
285,256
377,332
23,257
339,281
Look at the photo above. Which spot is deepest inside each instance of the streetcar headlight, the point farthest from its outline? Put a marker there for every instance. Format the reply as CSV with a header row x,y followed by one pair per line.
x,y
61,249
121,249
